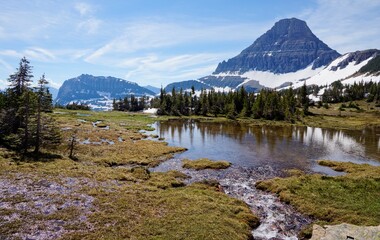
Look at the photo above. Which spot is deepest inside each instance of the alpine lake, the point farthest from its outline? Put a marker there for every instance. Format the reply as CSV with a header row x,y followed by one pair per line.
x,y
263,152
281,147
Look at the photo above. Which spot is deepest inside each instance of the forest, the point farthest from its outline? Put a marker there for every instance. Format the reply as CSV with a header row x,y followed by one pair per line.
x,y
288,105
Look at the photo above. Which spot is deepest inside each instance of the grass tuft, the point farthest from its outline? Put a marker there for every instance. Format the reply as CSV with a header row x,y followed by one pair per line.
x,y
205,163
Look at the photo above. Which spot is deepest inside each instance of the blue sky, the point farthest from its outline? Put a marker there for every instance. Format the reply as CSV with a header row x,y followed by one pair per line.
x,y
155,42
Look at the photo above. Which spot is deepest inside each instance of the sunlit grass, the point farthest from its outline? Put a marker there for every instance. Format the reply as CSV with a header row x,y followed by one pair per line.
x,y
205,163
130,202
353,198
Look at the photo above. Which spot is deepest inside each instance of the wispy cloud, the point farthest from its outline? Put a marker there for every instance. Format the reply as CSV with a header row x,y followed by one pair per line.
x,y
7,67
34,53
140,36
341,23
90,26
84,8
10,53
173,68
39,54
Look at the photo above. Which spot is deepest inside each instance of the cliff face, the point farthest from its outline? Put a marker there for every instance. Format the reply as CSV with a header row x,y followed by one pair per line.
x,y
288,46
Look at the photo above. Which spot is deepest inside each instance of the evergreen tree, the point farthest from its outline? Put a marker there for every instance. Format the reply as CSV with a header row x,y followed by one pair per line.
x,y
46,131
18,94
304,99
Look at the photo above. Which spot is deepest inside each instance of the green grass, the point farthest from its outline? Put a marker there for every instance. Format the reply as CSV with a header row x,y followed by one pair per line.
x,y
353,198
369,115
193,212
129,201
142,205
205,163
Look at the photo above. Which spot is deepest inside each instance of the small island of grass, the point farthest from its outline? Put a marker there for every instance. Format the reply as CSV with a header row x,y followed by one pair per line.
x,y
204,163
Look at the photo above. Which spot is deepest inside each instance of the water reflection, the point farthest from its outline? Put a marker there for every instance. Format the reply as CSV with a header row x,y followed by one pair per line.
x,y
278,146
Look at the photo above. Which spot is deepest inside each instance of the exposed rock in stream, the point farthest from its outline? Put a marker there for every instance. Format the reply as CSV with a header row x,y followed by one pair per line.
x,y
345,231
278,220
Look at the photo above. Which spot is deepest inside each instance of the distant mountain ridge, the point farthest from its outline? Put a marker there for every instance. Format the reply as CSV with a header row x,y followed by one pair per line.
x,y
156,90
98,91
287,54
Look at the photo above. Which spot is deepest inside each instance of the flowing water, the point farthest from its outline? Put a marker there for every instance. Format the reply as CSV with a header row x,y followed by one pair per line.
x,y
261,152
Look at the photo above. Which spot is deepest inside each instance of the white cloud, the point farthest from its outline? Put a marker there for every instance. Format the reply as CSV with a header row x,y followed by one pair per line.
x,y
84,8
10,53
5,66
34,53
90,26
39,54
53,83
139,36
346,25
173,63
153,68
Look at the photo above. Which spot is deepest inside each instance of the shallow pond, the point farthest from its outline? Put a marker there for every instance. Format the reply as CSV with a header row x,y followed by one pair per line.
x,y
278,146
259,153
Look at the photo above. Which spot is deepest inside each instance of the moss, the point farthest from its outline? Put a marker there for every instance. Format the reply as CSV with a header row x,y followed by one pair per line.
x,y
294,172
205,163
352,198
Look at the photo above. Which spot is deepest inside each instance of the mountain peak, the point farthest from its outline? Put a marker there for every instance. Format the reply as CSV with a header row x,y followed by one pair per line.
x,y
288,46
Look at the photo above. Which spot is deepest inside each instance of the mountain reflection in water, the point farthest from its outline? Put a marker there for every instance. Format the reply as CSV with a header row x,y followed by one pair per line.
x,y
281,147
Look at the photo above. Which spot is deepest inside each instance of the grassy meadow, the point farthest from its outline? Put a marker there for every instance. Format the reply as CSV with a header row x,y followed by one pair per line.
x,y
108,191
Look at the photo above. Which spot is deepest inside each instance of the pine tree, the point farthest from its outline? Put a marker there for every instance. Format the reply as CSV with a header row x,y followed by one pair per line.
x,y
304,99
46,131
17,94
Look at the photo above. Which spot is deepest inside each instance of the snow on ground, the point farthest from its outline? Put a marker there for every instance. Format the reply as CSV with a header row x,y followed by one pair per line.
x,y
274,80
320,76
363,78
328,76
150,110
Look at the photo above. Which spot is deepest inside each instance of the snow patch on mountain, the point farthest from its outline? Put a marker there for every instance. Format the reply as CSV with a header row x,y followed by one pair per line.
x,y
334,73
275,80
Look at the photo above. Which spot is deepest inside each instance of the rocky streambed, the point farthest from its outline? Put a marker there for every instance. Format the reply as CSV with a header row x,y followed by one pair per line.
x,y
278,220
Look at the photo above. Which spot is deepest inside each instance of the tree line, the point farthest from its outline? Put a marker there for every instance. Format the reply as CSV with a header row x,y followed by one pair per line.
x,y
289,104
268,104
337,92
131,104
25,125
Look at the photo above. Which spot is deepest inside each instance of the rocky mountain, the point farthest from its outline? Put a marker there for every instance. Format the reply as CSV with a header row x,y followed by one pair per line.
x,y
53,91
288,46
351,67
288,53
156,90
187,85
98,92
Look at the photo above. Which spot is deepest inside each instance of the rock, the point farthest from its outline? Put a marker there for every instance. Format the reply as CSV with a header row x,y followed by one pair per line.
x,y
95,89
345,231
287,47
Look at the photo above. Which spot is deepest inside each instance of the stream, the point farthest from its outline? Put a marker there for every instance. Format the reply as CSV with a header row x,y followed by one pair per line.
x,y
259,153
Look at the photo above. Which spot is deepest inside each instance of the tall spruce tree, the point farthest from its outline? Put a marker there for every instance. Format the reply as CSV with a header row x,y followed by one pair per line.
x,y
23,124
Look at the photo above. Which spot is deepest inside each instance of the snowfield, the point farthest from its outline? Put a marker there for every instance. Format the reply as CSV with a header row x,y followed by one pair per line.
x,y
324,75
